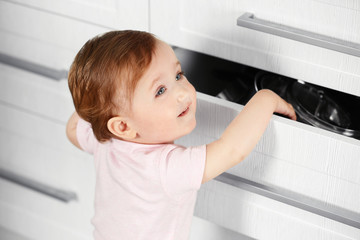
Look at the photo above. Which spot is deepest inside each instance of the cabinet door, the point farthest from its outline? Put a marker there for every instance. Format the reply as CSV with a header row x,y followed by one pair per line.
x,y
115,14
320,167
211,27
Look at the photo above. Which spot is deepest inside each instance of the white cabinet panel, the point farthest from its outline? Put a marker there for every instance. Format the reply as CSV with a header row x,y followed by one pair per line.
x,y
36,94
36,148
262,218
211,27
42,38
28,213
116,14
50,33
205,230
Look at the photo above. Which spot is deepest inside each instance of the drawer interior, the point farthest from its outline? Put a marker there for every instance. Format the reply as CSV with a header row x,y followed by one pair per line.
x,y
315,105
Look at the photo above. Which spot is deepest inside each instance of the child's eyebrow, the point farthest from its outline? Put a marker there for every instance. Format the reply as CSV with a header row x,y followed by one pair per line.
x,y
154,82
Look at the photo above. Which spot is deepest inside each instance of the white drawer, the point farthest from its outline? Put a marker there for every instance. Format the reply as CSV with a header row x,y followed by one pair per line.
x,y
314,163
38,148
258,217
42,38
36,216
211,27
114,14
35,94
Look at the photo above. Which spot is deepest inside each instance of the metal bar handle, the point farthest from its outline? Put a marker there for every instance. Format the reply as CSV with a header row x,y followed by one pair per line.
x,y
62,195
33,67
248,20
293,199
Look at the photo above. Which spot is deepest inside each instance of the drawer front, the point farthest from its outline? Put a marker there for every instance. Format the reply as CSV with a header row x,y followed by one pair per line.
x,y
36,216
313,163
39,149
211,27
259,217
41,38
113,14
36,94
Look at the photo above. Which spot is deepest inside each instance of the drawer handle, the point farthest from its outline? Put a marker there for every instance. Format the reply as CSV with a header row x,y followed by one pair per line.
x,y
293,199
33,67
65,196
248,20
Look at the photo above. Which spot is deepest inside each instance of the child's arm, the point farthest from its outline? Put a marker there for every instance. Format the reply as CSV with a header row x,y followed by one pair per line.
x,y
243,133
71,129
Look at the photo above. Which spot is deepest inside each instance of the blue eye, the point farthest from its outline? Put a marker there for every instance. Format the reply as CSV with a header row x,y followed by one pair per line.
x,y
179,76
160,91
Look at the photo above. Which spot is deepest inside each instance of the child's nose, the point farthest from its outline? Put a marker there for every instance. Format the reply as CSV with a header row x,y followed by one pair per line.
x,y
182,93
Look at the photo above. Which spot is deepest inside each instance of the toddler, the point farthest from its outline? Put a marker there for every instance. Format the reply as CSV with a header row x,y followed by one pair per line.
x,y
132,101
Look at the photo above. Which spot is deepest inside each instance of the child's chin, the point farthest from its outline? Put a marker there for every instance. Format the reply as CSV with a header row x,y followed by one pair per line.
x,y
191,128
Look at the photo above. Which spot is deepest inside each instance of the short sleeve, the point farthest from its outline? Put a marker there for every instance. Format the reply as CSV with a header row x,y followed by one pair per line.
x,y
85,136
182,169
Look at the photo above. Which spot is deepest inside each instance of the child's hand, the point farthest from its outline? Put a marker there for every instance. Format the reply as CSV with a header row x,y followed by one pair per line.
x,y
285,109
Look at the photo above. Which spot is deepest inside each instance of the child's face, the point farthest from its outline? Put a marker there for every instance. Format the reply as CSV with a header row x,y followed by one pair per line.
x,y
164,102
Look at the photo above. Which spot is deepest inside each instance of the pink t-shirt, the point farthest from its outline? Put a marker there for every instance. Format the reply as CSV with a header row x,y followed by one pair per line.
x,y
143,191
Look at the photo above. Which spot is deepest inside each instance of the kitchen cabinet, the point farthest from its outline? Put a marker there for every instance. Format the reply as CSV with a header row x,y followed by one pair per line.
x,y
51,194
45,36
321,167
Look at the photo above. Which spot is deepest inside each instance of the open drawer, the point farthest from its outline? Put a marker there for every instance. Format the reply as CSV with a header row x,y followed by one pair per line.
x,y
312,166
299,167
320,167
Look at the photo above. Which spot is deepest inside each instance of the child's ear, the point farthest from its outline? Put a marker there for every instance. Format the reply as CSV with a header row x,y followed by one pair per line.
x,y
120,128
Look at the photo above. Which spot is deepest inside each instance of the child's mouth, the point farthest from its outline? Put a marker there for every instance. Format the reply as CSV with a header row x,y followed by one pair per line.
x,y
184,112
